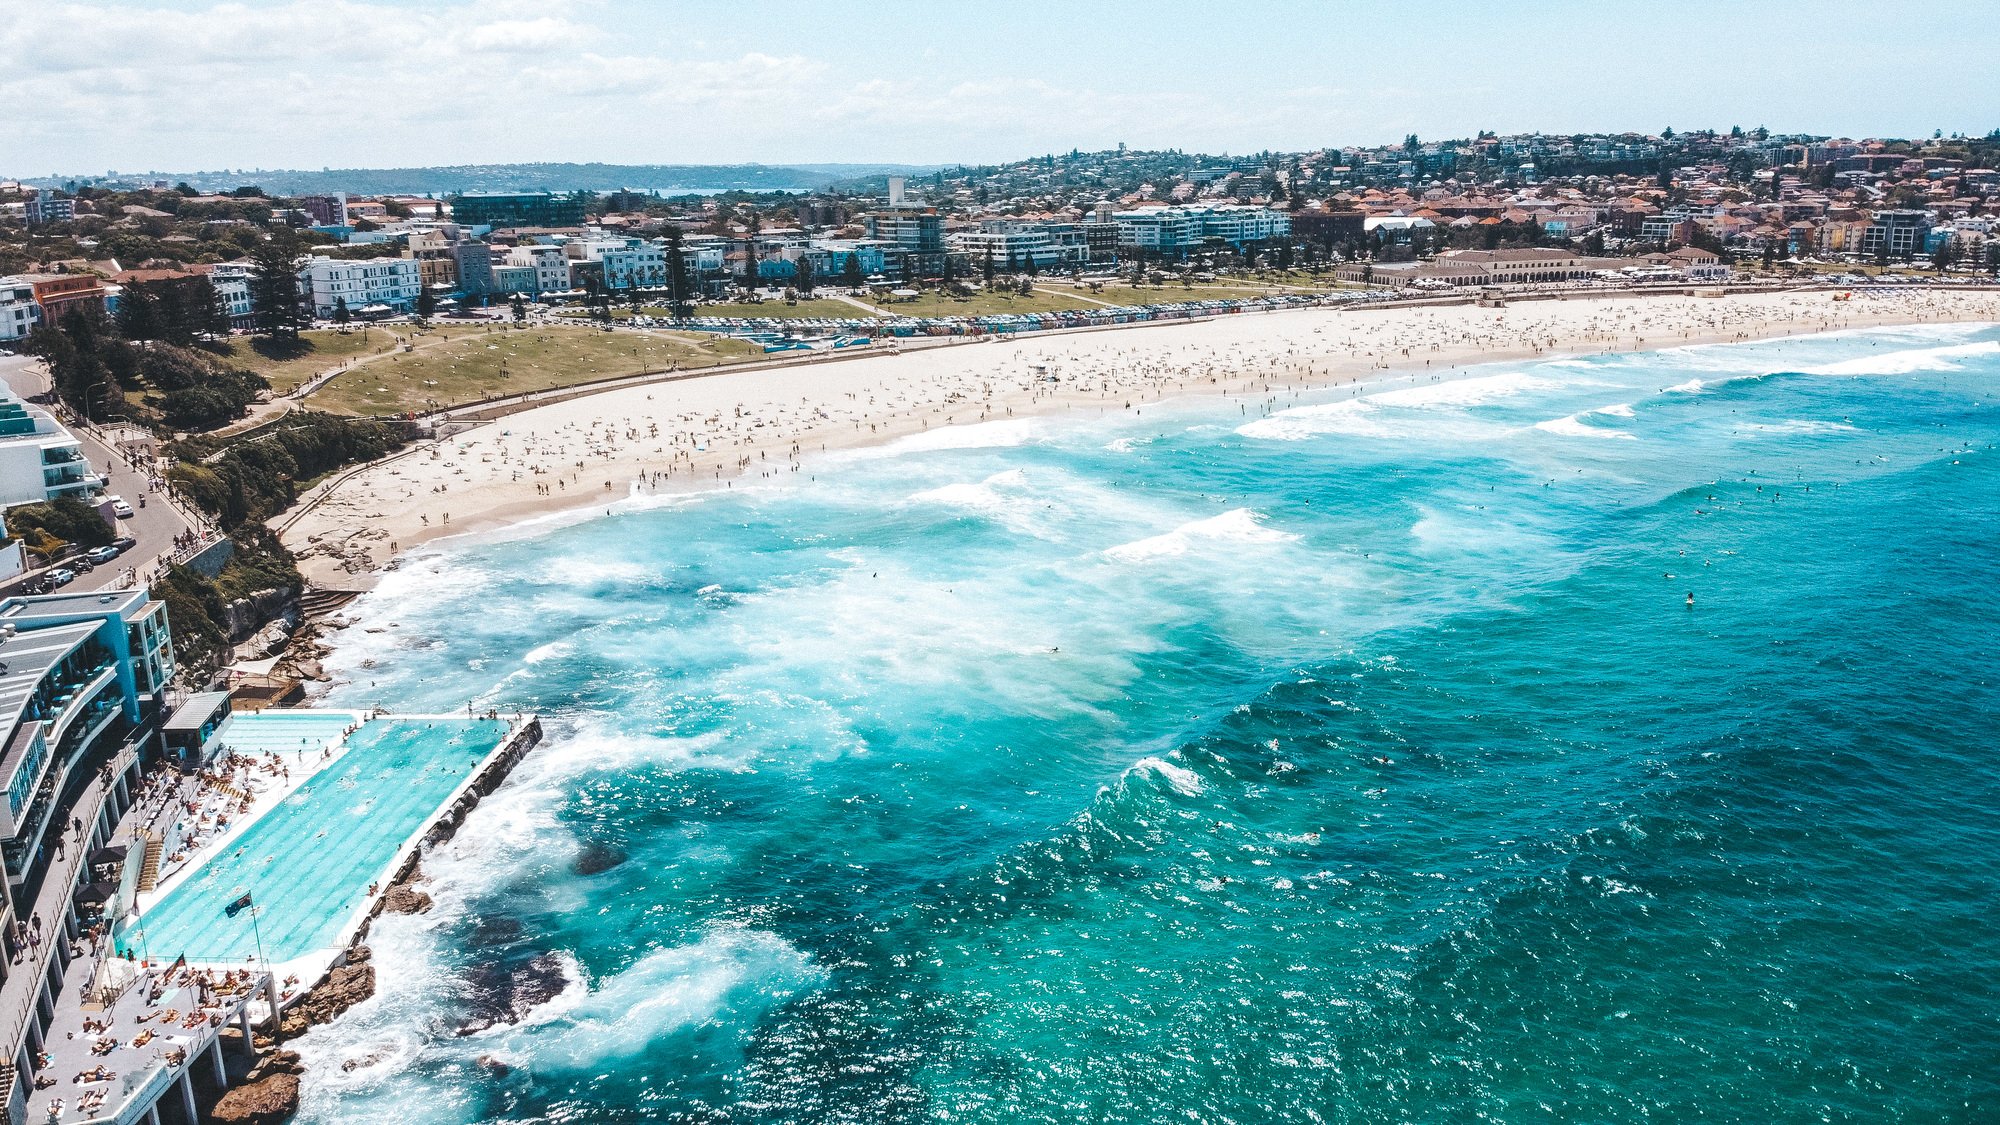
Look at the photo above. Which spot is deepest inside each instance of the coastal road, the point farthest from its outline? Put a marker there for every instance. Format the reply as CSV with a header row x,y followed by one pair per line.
x,y
155,526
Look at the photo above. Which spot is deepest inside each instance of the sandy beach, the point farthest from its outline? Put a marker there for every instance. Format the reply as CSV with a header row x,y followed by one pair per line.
x,y
699,433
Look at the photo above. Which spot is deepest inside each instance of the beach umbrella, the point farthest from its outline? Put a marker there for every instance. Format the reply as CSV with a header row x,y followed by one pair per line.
x,y
100,891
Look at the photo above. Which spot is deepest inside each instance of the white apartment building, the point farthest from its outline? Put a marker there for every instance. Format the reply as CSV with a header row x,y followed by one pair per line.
x,y
1162,230
391,283
550,266
1175,230
513,279
629,263
1241,224
18,311
1014,245
39,459
705,253
232,288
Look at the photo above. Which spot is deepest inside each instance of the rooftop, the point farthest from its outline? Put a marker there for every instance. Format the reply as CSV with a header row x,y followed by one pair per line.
x,y
90,603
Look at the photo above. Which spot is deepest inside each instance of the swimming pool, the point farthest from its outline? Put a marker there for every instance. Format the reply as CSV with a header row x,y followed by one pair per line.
x,y
307,864
289,733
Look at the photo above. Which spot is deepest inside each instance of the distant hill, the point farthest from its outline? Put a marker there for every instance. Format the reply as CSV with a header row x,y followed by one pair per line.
x,y
530,177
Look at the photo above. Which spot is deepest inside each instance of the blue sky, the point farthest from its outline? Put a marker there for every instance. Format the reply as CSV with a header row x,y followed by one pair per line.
x,y
196,85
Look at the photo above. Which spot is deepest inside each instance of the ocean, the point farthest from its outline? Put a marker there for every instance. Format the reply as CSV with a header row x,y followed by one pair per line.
x,y
1353,755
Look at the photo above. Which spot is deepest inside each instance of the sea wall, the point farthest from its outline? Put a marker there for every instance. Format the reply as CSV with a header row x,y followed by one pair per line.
x,y
350,979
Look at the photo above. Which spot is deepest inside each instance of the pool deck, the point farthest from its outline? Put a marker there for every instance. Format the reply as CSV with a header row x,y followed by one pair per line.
x,y
263,801
178,1057
141,1073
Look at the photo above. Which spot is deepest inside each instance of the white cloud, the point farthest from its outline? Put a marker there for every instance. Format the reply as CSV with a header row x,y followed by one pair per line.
x,y
192,84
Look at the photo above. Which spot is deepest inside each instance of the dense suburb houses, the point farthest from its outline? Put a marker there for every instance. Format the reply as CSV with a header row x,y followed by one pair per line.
x,y
1491,210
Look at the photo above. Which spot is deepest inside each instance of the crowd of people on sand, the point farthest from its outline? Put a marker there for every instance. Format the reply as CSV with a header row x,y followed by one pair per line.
x,y
172,1003
649,439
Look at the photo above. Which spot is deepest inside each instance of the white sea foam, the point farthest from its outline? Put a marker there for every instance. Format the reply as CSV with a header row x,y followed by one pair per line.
x,y
1615,410
1409,411
1910,360
1797,426
1353,417
1573,425
731,975
550,651
1239,525
1465,392
1001,434
1183,780
1001,497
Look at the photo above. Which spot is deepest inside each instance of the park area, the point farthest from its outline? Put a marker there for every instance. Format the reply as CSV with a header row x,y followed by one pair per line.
x,y
286,364
482,365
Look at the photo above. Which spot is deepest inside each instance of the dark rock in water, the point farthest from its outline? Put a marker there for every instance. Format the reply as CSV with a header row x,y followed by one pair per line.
x,y
493,1066
502,994
540,981
344,986
369,1059
496,929
271,1100
595,859
268,1095
405,899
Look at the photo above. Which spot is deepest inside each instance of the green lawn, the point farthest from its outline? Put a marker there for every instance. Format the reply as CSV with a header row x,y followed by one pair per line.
x,y
288,366
484,366
984,303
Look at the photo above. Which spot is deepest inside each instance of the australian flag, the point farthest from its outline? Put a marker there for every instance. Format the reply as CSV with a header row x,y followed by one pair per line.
x,y
239,906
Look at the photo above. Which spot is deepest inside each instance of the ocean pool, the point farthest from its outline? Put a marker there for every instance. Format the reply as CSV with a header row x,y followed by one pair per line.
x,y
307,864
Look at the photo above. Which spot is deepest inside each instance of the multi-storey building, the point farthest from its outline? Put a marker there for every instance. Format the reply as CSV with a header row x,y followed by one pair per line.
x,y
473,265
82,681
1013,245
916,231
517,209
364,285
1240,225
46,206
58,293
550,266
39,459
18,311
1901,234
509,278
232,292
1159,230
628,263
326,210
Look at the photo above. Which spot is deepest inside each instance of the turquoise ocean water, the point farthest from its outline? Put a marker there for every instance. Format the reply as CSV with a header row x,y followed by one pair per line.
x,y
1353,757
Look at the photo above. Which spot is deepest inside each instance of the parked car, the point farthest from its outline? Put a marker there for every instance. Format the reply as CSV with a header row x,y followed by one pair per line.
x,y
98,556
119,505
124,543
60,576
